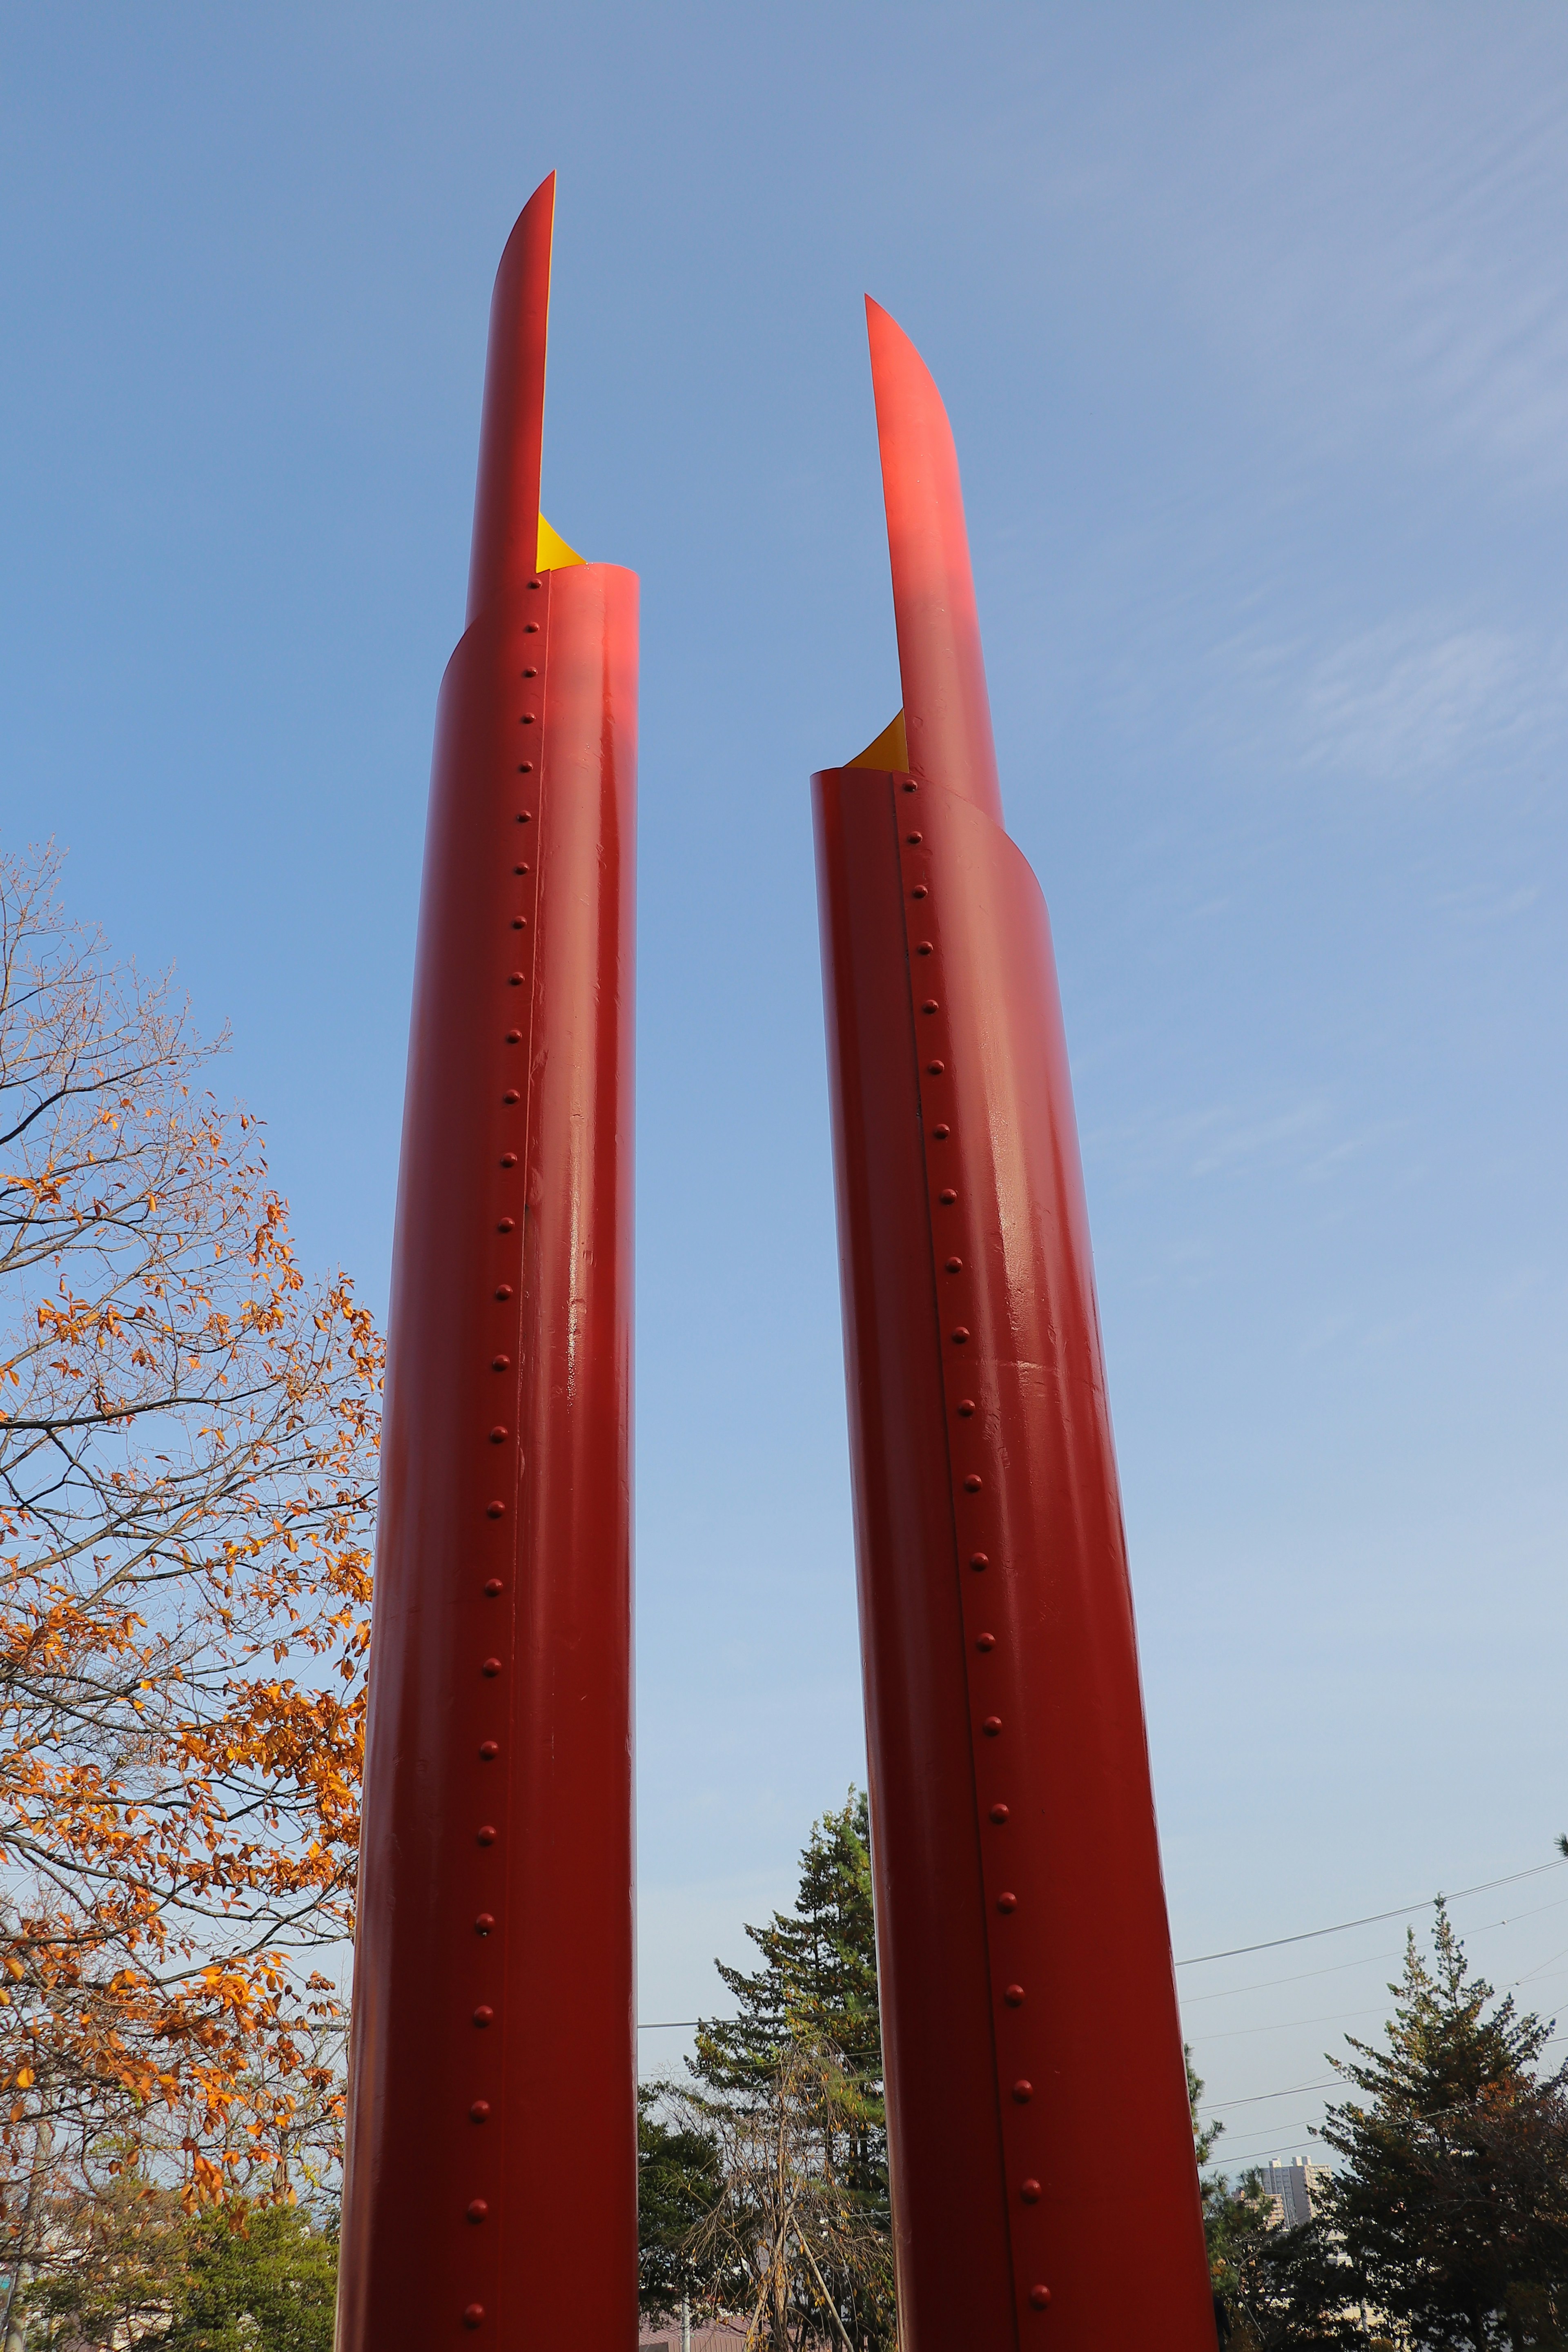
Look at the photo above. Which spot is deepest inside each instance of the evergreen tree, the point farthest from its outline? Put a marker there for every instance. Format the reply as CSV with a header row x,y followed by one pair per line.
x,y
818,1978
811,2010
678,2182
1453,2199
817,1983
234,2278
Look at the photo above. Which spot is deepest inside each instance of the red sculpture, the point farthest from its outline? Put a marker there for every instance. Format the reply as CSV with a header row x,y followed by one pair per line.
x,y
491,2177
1044,2186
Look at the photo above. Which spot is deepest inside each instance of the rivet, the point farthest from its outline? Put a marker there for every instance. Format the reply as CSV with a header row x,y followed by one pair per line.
x,y
908,788
955,1265
972,1485
942,1133
1029,2190
491,1666
478,2209
497,1437
1014,1996
987,1641
980,1559
503,1364
489,1749
479,2111
519,923
511,1096
999,1814
504,1290
473,2314
1006,1902
519,869
493,1586
484,2015
533,584
929,1005
531,628
966,1407
1040,2297
1023,2092
530,673
514,979
947,1198
913,839
935,1069
514,1036
960,1336
525,768
482,1926
487,1836
506,1224
923,946
919,891
508,1160
525,816
527,718
992,1727
495,1510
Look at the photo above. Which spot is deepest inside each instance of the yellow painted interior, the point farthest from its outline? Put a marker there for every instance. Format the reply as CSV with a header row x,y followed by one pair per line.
x,y
553,552
890,749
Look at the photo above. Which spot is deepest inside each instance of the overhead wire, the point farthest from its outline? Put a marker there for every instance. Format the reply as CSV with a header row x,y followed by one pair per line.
x,y
1367,1960
1303,1936
1371,1918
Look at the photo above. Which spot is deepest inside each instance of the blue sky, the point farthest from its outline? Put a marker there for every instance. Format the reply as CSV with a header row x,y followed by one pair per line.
x,y
1251,323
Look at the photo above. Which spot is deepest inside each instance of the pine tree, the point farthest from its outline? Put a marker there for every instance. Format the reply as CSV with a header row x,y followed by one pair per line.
x,y
811,2012
1453,2199
678,2182
818,1978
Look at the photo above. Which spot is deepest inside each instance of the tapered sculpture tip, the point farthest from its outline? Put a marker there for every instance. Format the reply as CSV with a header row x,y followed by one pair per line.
x,y
511,430
947,711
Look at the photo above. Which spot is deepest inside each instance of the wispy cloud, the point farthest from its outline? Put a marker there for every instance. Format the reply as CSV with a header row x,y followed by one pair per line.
x,y
1409,700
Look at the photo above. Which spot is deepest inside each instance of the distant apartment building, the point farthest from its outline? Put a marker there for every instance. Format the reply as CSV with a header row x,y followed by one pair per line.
x,y
1291,2188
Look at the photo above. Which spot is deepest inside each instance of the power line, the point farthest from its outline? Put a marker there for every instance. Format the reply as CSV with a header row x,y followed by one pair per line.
x,y
1367,1960
1270,1943
1328,2083
1401,1911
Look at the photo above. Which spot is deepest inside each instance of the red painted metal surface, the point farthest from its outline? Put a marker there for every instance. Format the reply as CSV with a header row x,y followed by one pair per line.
x,y
492,2183
947,710
1035,2087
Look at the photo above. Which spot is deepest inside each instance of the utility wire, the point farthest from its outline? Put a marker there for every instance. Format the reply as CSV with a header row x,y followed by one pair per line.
x,y
1270,1944
1401,1911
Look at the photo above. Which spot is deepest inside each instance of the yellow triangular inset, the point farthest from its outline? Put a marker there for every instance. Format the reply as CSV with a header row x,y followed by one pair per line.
x,y
891,749
553,552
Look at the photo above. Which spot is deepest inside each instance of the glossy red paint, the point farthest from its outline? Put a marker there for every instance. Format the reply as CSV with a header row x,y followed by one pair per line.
x,y
1031,2035
947,710
505,546
492,2183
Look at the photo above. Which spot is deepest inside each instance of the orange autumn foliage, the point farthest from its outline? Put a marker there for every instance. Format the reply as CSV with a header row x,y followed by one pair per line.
x,y
187,1433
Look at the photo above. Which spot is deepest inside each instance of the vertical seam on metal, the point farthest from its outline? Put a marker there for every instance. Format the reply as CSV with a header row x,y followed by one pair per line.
x,y
937,1069
897,784
528,811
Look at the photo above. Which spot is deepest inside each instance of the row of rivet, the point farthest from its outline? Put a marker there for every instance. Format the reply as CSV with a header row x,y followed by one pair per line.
x,y
478,2207
916,868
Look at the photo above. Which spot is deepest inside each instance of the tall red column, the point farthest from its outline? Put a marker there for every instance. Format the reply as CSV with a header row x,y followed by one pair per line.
x,y
1045,2192
491,2183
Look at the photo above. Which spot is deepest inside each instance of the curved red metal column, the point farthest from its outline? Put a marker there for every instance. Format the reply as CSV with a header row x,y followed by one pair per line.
x,y
492,2183
1036,2093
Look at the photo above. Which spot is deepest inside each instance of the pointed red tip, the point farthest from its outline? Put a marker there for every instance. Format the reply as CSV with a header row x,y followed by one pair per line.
x,y
511,431
947,710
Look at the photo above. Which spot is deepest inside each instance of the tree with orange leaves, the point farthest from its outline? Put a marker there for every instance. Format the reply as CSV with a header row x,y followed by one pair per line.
x,y
187,1434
